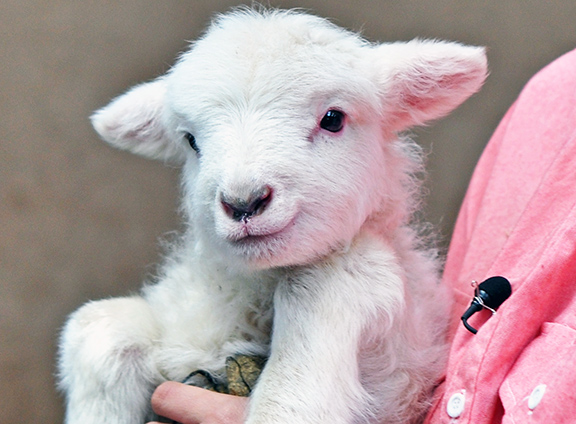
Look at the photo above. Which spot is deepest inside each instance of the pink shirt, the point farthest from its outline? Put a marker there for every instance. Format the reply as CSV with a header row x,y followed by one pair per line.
x,y
518,220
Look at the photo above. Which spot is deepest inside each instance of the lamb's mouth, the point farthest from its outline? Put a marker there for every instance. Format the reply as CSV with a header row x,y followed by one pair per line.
x,y
250,235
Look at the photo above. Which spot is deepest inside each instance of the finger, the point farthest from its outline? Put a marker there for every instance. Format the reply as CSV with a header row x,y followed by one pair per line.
x,y
192,405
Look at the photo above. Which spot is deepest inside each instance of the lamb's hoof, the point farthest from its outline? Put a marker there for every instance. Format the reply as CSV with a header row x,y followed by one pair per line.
x,y
242,372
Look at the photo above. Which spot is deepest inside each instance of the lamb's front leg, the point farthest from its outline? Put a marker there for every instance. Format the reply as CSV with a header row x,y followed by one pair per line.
x,y
321,313
106,362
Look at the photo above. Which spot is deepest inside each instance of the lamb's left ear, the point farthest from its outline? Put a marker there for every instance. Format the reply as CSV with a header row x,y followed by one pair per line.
x,y
136,121
423,80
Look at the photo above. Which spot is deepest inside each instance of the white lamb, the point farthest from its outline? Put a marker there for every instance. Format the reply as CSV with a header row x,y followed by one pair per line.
x,y
298,193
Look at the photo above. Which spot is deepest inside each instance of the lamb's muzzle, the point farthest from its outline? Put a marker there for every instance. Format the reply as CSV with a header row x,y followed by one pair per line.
x,y
242,209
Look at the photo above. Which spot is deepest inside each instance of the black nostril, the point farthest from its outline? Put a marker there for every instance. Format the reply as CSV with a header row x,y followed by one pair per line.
x,y
243,209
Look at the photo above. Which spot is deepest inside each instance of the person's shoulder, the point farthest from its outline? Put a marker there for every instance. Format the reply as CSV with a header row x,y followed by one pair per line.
x,y
558,76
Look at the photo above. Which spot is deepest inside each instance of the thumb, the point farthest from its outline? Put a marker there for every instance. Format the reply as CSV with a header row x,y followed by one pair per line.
x,y
193,405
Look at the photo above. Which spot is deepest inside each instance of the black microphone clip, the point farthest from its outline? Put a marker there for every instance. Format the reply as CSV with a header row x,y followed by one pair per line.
x,y
489,294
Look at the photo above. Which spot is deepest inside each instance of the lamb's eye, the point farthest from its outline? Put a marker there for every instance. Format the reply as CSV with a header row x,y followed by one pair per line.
x,y
192,141
333,121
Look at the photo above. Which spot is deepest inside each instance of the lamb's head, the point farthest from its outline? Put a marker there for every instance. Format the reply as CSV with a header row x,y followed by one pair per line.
x,y
286,126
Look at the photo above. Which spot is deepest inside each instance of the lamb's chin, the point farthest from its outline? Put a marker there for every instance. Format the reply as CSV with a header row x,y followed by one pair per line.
x,y
258,253
263,251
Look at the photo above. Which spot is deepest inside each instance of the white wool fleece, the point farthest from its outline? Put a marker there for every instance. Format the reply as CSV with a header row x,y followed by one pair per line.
x,y
298,193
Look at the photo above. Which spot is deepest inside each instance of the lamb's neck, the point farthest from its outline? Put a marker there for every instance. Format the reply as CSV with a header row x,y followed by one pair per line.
x,y
231,275
383,226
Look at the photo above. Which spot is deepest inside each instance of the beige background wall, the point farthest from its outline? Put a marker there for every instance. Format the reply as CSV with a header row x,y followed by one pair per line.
x,y
80,221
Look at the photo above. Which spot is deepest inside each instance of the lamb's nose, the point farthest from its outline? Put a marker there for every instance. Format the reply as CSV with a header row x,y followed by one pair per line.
x,y
242,209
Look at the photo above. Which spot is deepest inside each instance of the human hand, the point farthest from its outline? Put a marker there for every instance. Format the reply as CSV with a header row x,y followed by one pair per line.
x,y
192,405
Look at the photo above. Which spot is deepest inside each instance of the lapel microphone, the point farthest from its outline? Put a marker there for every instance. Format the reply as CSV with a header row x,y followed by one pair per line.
x,y
489,294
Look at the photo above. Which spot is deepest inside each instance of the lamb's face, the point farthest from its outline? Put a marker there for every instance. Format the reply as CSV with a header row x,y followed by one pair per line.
x,y
285,153
285,125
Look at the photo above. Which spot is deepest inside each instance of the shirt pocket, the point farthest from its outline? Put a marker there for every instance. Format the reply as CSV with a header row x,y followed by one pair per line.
x,y
540,387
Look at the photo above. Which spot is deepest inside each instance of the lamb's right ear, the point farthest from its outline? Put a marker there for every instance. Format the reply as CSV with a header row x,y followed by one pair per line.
x,y
135,121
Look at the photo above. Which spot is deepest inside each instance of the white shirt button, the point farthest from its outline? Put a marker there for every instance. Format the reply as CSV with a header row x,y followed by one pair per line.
x,y
455,405
536,396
